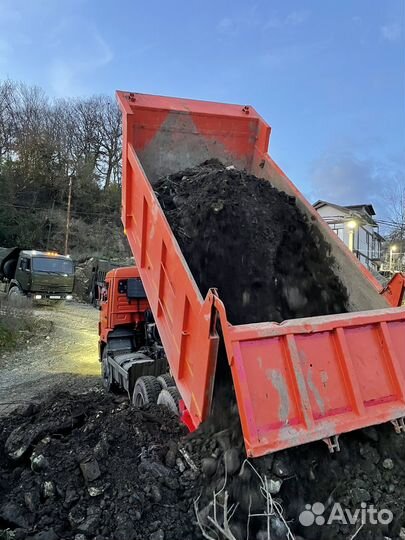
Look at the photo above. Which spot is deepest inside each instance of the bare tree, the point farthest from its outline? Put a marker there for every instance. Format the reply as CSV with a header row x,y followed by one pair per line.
x,y
394,225
110,132
395,199
47,144
7,120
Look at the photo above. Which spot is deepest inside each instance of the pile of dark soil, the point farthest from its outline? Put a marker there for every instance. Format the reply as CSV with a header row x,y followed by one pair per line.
x,y
266,496
249,240
90,466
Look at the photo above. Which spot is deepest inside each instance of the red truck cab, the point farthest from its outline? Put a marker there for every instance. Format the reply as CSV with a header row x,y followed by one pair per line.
x,y
116,307
130,351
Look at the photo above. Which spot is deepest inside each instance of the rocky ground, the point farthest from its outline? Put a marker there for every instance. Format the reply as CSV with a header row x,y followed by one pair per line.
x,y
63,354
90,466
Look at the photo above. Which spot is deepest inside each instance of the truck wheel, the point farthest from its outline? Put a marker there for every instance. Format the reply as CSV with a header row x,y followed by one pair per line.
x,y
10,268
106,371
170,397
15,296
146,391
166,381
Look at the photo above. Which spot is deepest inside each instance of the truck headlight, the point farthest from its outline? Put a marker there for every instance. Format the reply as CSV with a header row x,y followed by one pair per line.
x,y
69,297
38,296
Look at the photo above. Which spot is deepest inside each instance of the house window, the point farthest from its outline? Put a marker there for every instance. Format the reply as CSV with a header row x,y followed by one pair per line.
x,y
338,231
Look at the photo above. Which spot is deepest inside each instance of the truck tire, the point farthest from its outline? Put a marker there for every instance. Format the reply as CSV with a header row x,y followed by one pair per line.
x,y
166,381
170,397
10,268
106,374
146,390
16,296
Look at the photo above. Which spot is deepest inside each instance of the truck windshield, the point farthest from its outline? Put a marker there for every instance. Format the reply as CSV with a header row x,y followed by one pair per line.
x,y
59,266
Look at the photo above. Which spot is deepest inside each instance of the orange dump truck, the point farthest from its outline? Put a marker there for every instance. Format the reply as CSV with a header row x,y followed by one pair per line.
x,y
295,382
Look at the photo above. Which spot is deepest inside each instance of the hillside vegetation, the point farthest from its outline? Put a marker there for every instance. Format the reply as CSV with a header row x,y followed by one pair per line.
x,y
45,144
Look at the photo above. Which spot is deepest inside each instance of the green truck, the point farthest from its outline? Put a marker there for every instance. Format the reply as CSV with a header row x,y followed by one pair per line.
x,y
37,275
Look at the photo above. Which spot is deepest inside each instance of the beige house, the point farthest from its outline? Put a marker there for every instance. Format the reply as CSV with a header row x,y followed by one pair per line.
x,y
356,227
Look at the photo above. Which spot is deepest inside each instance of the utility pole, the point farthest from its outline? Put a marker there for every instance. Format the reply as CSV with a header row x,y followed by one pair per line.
x,y
68,216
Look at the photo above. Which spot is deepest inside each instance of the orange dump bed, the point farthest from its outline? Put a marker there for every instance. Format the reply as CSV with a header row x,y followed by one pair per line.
x,y
295,382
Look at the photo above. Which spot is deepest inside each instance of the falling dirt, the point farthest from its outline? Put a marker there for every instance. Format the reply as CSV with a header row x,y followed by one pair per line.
x,y
249,240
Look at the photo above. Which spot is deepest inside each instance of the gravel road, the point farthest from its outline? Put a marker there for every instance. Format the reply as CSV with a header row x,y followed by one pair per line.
x,y
67,357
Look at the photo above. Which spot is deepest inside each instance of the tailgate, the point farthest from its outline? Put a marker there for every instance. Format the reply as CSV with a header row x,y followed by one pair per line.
x,y
310,379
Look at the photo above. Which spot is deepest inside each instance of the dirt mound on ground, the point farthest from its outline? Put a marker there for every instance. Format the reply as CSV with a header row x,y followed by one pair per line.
x,y
265,497
90,465
249,240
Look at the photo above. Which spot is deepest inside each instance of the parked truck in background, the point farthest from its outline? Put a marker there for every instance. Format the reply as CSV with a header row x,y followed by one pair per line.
x,y
333,374
38,275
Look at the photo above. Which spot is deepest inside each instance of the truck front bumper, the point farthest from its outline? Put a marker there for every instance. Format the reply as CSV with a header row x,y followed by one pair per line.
x,y
55,296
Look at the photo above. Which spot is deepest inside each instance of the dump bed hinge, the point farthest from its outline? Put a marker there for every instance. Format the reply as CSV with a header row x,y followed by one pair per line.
x,y
399,424
332,443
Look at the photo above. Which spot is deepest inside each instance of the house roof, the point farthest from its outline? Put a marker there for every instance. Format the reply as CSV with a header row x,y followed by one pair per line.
x,y
365,211
363,207
319,204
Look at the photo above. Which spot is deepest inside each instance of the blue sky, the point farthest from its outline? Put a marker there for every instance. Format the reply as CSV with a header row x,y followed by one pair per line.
x,y
328,76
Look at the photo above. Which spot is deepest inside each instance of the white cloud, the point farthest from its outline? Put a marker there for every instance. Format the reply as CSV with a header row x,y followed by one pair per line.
x,y
9,13
296,18
391,32
232,26
288,55
73,60
254,19
63,79
5,50
293,19
344,178
227,26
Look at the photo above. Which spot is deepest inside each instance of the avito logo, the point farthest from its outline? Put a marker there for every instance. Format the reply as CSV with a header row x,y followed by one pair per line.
x,y
314,514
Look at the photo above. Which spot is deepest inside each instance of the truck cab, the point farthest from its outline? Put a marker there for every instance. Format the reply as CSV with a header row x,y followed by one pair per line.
x,y
130,351
37,275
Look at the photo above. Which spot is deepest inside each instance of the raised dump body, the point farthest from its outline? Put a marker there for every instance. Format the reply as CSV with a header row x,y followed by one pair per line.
x,y
295,382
